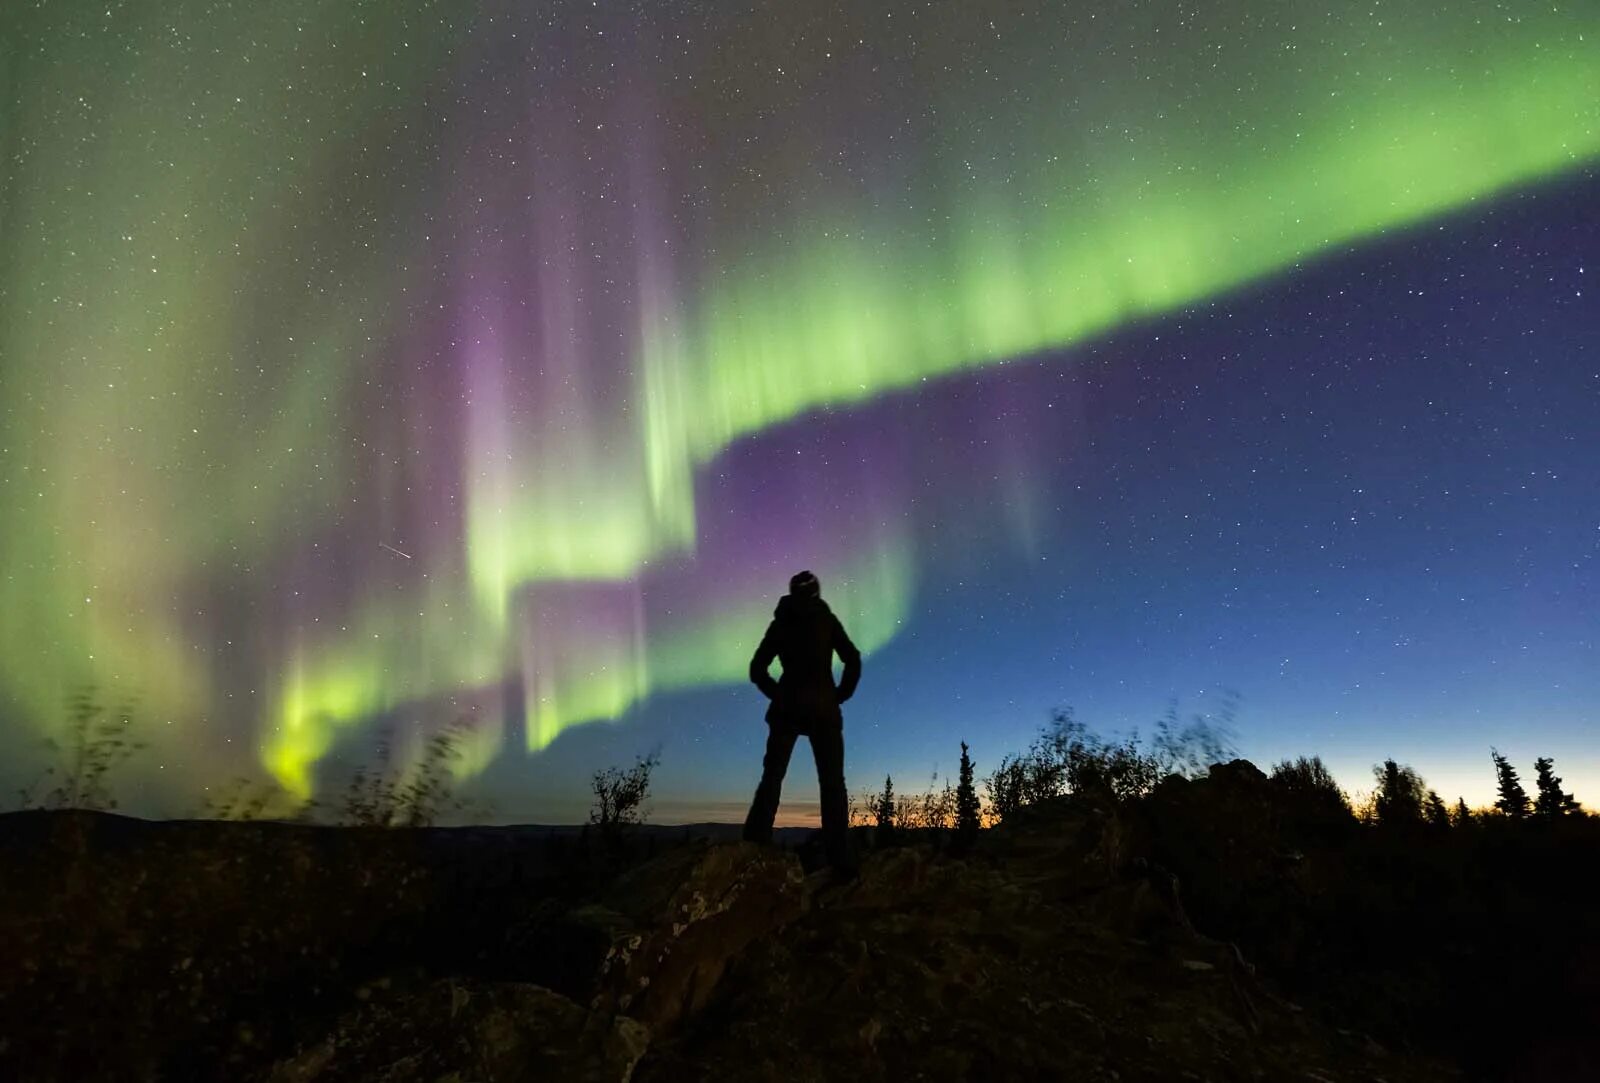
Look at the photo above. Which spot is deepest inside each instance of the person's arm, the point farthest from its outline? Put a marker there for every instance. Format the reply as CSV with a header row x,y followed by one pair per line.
x,y
851,658
761,663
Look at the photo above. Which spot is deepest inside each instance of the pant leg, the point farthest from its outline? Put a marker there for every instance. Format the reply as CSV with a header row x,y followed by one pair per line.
x,y
827,747
764,809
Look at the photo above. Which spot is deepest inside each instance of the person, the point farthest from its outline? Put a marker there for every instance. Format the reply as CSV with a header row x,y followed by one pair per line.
x,y
805,635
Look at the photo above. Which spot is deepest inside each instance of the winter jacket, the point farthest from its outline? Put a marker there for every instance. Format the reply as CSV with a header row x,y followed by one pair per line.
x,y
804,636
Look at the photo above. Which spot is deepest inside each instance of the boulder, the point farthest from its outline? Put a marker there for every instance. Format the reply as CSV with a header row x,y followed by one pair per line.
x,y
683,917
453,1031
1240,774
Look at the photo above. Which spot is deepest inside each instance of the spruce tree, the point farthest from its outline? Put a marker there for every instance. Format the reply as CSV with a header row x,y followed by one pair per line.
x,y
1399,795
1553,801
966,801
885,811
1463,815
1513,799
1434,810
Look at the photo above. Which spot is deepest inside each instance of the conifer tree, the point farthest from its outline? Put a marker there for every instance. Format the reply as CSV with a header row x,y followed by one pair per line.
x,y
1434,810
1553,801
1399,796
966,801
1513,799
885,811
1463,815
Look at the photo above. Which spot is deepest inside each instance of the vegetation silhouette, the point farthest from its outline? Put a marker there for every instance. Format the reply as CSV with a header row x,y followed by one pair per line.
x,y
1513,799
620,797
1400,796
968,812
1553,802
1069,758
97,742
887,812
418,795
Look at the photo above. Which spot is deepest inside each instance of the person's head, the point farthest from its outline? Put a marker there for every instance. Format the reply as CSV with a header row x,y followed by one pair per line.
x,y
805,585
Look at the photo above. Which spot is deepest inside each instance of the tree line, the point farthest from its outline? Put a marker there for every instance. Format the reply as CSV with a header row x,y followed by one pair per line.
x,y
1068,758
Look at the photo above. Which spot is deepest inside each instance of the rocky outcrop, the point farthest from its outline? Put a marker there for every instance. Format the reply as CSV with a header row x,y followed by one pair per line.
x,y
1029,961
646,955
1070,942
460,1031
684,917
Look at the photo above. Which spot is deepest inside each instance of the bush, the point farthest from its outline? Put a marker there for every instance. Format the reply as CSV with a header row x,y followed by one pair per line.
x,y
619,796
416,797
1068,758
1309,780
1400,796
932,810
245,800
98,742
1190,749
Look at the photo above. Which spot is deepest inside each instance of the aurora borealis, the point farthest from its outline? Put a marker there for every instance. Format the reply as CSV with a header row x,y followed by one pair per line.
x,y
378,365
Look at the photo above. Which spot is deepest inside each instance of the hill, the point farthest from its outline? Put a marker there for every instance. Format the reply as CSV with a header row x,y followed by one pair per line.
x,y
1204,932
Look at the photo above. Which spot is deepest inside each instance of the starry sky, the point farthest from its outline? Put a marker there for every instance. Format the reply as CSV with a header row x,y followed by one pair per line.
x,y
369,368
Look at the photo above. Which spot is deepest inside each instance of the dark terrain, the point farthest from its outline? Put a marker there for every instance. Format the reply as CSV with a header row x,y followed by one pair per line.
x,y
1217,929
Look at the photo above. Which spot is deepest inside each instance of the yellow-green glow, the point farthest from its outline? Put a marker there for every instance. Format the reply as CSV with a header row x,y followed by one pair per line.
x,y
873,310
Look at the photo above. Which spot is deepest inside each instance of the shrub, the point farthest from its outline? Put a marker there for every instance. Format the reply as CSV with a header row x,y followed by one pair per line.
x,y
1310,782
1190,749
244,800
383,796
1068,758
620,796
97,743
1008,787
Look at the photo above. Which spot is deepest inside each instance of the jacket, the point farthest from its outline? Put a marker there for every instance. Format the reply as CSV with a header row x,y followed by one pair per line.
x,y
804,636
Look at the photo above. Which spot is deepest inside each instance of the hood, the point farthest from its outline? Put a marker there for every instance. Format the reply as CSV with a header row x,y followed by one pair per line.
x,y
798,606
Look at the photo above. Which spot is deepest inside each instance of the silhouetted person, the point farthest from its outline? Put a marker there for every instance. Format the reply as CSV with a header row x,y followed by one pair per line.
x,y
804,635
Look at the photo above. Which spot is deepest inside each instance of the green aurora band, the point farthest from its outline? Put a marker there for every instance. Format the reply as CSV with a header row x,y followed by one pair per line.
x,y
135,325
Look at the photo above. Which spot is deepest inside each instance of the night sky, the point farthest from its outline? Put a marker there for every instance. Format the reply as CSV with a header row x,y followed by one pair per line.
x,y
368,367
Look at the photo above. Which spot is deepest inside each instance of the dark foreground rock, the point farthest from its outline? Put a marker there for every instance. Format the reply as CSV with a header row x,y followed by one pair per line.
x,y
461,1031
1204,934
1038,964
686,917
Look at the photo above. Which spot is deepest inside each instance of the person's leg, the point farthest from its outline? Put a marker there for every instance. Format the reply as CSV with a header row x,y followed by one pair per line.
x,y
764,809
827,747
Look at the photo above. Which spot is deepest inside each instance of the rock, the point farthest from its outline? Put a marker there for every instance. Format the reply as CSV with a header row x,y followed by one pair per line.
x,y
886,880
688,914
1241,774
1140,907
1021,962
491,1033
